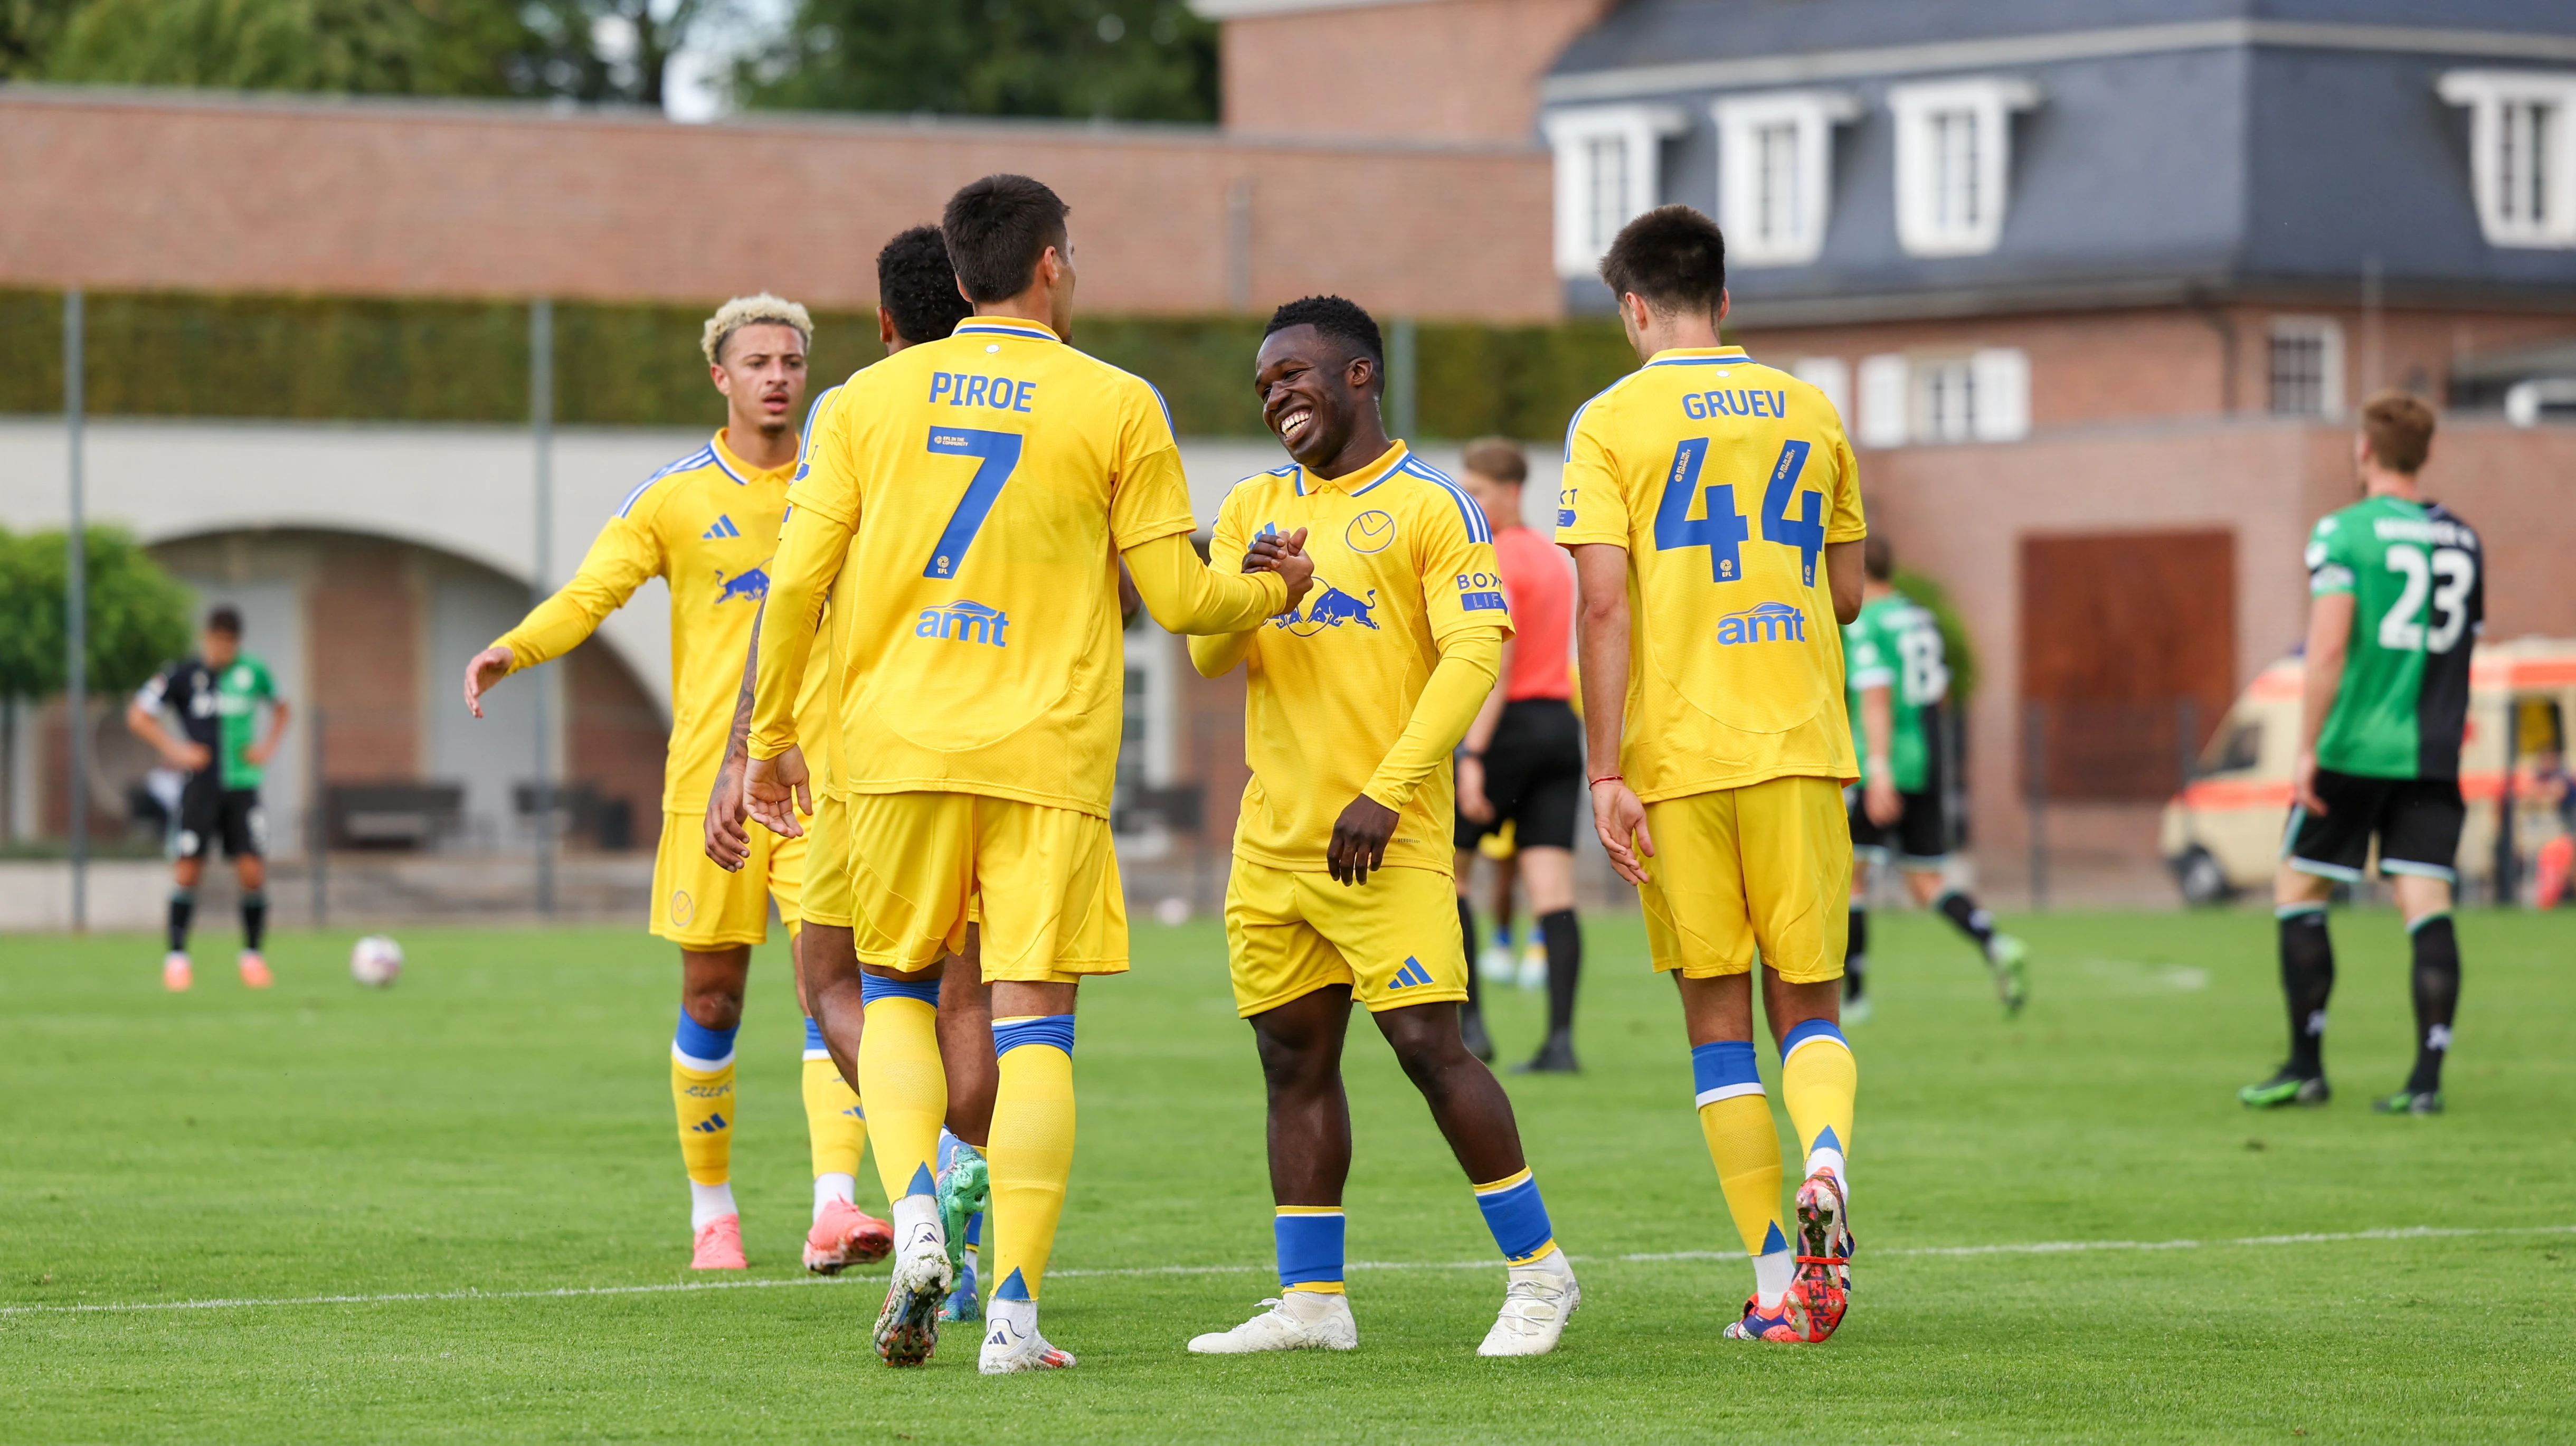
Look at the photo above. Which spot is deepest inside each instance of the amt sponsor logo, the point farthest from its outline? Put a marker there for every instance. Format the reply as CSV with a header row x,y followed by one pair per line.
x,y
962,621
1772,622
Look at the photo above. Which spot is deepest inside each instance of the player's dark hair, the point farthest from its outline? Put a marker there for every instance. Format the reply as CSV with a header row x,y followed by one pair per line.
x,y
225,619
2399,429
918,287
1500,458
1878,557
1673,257
997,228
1341,320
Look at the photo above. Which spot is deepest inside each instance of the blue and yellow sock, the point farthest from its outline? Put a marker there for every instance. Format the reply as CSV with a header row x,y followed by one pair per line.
x,y
1817,1081
1309,1243
1030,1155
836,1127
702,1095
1518,1218
905,1088
1735,1119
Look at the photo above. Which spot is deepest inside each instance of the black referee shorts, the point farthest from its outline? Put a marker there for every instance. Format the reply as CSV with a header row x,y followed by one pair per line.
x,y
1533,776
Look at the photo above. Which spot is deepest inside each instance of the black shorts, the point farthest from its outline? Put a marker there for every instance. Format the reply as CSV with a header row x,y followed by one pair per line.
x,y
208,812
1920,835
2417,821
1533,776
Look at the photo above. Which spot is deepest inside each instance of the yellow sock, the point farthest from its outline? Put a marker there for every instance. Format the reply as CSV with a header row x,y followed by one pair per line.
x,y
1746,1150
1817,1081
901,1080
834,1122
702,1096
1031,1155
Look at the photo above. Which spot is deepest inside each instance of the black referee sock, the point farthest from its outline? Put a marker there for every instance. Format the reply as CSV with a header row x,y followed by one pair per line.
x,y
1971,920
1856,956
2307,977
1467,936
1564,968
183,908
254,905
2437,995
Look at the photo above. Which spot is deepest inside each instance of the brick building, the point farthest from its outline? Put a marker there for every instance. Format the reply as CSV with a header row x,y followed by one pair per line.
x,y
2097,282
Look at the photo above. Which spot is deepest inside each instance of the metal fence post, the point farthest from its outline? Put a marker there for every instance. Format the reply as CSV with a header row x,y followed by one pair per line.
x,y
2034,729
541,425
76,663
320,823
1403,396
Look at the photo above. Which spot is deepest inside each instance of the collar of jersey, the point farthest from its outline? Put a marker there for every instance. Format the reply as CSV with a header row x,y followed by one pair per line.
x,y
733,466
1355,483
1006,326
1685,356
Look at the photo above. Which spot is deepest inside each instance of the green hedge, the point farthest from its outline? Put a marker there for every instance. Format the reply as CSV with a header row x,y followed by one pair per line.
x,y
345,358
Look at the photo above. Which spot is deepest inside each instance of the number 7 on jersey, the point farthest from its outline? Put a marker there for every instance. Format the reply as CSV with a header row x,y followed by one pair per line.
x,y
999,454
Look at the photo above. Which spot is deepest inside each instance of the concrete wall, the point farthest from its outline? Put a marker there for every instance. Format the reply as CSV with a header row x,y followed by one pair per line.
x,y
199,191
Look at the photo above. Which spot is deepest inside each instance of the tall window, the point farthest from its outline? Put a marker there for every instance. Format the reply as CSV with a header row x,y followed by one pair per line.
x,y
1775,173
1945,400
1607,172
1979,396
2307,367
2522,169
1954,162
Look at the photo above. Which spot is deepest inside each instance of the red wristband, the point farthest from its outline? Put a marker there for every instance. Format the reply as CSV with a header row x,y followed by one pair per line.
x,y
1608,778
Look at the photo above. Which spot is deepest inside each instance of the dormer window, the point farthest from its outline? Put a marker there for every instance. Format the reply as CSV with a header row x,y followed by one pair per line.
x,y
1608,172
1775,173
2522,167
1954,162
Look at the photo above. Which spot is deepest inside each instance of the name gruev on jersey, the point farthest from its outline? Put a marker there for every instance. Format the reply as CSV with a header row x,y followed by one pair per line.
x,y
1735,402
965,389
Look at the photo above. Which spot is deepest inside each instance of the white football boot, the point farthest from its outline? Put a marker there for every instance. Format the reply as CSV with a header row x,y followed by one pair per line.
x,y
1542,1296
1012,1343
1300,1320
1494,964
907,1327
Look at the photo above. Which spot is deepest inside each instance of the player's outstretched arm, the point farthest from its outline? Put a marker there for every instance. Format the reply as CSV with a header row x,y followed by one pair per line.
x,y
1601,623
1470,660
624,554
2329,637
1186,595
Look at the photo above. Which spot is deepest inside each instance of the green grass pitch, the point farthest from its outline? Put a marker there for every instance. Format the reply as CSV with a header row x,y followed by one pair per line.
x,y
500,1124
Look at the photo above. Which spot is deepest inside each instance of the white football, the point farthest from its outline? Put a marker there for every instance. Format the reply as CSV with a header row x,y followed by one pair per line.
x,y
375,961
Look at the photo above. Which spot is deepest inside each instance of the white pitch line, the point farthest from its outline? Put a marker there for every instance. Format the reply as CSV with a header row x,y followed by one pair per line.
x,y
568,1292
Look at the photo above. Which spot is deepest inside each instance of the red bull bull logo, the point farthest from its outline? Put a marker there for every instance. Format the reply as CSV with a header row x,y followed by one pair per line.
x,y
1330,607
750,585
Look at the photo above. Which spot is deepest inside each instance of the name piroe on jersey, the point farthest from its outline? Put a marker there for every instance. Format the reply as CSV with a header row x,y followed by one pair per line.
x,y
1725,480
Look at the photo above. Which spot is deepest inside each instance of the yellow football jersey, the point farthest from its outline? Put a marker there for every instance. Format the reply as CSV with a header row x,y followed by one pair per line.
x,y
1404,562
1725,480
707,524
990,479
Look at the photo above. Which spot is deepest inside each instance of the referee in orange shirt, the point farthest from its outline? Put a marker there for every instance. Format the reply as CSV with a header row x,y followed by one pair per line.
x,y
1523,759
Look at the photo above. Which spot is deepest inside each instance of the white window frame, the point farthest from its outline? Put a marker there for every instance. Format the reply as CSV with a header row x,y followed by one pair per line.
x,y
1886,401
2328,333
1987,104
1640,131
2492,96
1808,118
1943,398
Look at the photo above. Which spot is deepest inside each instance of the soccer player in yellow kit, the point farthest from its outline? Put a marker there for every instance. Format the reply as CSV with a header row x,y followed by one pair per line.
x,y
1714,512
992,482
1341,885
708,525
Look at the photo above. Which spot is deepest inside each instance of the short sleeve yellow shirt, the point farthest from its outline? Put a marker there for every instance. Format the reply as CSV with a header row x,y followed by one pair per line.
x,y
1404,561
992,478
1725,480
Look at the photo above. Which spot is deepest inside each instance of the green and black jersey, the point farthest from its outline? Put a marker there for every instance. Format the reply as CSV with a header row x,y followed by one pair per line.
x,y
2418,581
218,708
1895,644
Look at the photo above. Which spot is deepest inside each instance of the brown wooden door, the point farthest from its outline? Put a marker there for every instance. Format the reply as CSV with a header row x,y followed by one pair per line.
x,y
2119,630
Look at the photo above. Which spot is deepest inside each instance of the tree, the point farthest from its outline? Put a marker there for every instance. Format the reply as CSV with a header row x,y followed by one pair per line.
x,y
1113,59
28,29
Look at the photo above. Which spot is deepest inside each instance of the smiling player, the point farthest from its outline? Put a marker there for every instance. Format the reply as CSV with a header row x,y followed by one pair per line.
x,y
707,524
1341,883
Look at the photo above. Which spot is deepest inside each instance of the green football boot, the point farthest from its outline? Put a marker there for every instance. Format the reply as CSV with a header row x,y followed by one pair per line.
x,y
2009,957
2285,1088
2410,1102
964,1189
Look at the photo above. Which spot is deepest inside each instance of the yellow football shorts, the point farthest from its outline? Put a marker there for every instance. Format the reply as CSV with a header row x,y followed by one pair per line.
x,y
825,898
1764,867
1393,940
1046,878
697,905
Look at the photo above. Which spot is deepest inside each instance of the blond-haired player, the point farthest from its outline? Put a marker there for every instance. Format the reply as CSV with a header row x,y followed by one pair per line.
x,y
985,487
1714,512
708,525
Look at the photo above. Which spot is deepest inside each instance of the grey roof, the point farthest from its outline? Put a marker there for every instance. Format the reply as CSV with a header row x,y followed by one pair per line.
x,y
2149,172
